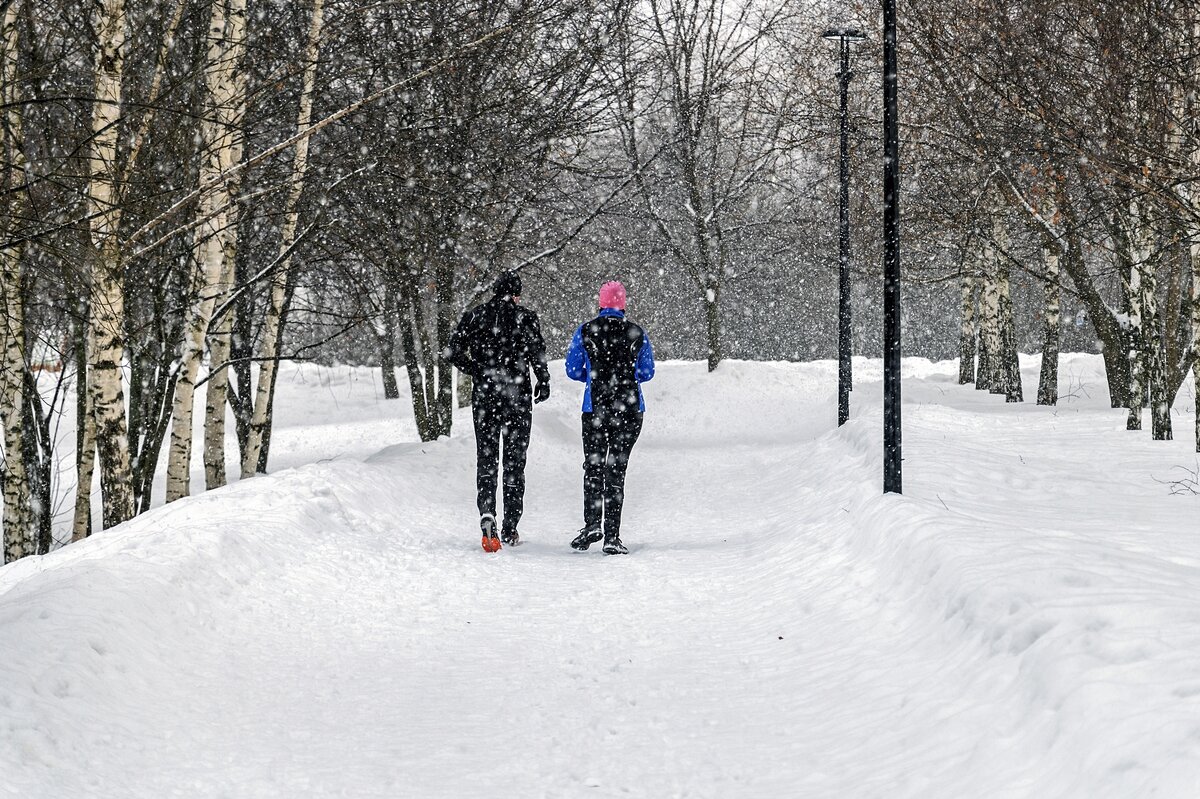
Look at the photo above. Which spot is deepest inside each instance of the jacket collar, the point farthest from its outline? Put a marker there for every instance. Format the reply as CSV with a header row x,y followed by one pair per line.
x,y
612,312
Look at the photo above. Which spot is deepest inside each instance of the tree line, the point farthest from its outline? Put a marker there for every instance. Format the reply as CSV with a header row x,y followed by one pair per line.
x,y
195,191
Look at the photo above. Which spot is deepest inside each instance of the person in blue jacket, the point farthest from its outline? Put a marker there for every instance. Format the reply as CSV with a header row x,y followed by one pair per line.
x,y
614,357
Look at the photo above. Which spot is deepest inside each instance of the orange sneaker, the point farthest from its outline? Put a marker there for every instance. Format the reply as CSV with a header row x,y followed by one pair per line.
x,y
491,541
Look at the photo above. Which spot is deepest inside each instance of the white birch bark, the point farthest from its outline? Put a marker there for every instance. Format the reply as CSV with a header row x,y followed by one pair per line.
x,y
989,323
1052,330
18,509
1008,365
1195,253
81,526
212,243
1136,363
219,348
107,304
279,281
1138,254
220,334
1149,373
1154,354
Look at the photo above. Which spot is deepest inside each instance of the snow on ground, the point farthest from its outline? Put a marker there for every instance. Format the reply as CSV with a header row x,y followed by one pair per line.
x,y
1023,622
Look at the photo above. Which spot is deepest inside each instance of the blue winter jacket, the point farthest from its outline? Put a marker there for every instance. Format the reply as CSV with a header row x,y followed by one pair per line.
x,y
609,337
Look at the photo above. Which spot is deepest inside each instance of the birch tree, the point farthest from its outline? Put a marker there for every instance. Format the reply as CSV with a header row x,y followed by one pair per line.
x,y
226,43
106,342
273,322
18,514
1051,327
989,374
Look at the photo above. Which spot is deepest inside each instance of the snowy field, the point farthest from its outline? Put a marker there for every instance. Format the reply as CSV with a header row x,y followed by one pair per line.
x,y
1023,622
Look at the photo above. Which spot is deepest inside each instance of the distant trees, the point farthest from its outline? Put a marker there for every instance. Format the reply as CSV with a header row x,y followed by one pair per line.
x,y
1082,114
703,113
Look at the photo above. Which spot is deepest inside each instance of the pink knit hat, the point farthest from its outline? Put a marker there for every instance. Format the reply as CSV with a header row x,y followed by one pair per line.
x,y
612,295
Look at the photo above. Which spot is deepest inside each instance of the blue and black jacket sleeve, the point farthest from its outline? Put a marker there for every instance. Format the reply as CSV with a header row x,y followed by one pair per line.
x,y
645,360
577,357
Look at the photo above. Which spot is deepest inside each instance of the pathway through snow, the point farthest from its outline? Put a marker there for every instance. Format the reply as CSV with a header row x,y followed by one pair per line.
x,y
1022,623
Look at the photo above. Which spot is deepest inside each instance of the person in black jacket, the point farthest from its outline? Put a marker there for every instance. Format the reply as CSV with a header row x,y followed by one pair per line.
x,y
497,343
614,357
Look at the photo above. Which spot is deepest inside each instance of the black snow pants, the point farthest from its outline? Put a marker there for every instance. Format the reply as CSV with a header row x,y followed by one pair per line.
x,y
608,438
501,417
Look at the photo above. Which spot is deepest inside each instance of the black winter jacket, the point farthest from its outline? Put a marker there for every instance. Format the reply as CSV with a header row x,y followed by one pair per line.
x,y
497,343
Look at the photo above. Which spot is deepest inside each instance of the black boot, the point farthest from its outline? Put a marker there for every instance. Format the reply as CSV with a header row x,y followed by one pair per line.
x,y
613,546
587,536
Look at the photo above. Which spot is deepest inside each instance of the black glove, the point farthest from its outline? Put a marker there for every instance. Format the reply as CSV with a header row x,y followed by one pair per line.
x,y
541,392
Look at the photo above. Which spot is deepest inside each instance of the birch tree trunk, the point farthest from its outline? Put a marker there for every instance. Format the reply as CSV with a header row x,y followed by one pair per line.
x,y
217,395
85,438
1051,331
1008,364
1137,370
1195,253
279,281
1147,354
18,510
1154,357
1136,256
39,460
967,332
220,336
1006,367
225,37
107,337
988,378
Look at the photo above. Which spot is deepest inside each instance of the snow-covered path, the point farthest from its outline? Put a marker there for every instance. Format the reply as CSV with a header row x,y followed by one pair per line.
x,y
1023,622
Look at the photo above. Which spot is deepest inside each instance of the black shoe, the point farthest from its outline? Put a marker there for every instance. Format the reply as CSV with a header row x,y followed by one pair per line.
x,y
613,546
510,538
585,539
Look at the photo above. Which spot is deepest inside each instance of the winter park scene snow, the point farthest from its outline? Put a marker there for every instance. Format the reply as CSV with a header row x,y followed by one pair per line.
x,y
621,398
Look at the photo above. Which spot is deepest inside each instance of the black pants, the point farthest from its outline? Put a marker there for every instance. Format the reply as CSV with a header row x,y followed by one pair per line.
x,y
500,418
608,438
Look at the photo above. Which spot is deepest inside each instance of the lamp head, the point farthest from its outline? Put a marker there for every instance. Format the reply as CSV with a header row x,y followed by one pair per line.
x,y
847,35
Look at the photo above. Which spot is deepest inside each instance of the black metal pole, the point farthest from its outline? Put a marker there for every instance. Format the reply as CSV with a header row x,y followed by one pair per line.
x,y
845,379
891,259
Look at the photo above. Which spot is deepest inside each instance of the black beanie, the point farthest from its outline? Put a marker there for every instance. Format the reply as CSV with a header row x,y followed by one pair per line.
x,y
508,284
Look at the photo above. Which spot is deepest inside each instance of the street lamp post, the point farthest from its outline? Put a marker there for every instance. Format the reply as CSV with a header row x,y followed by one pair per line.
x,y
891,259
845,37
